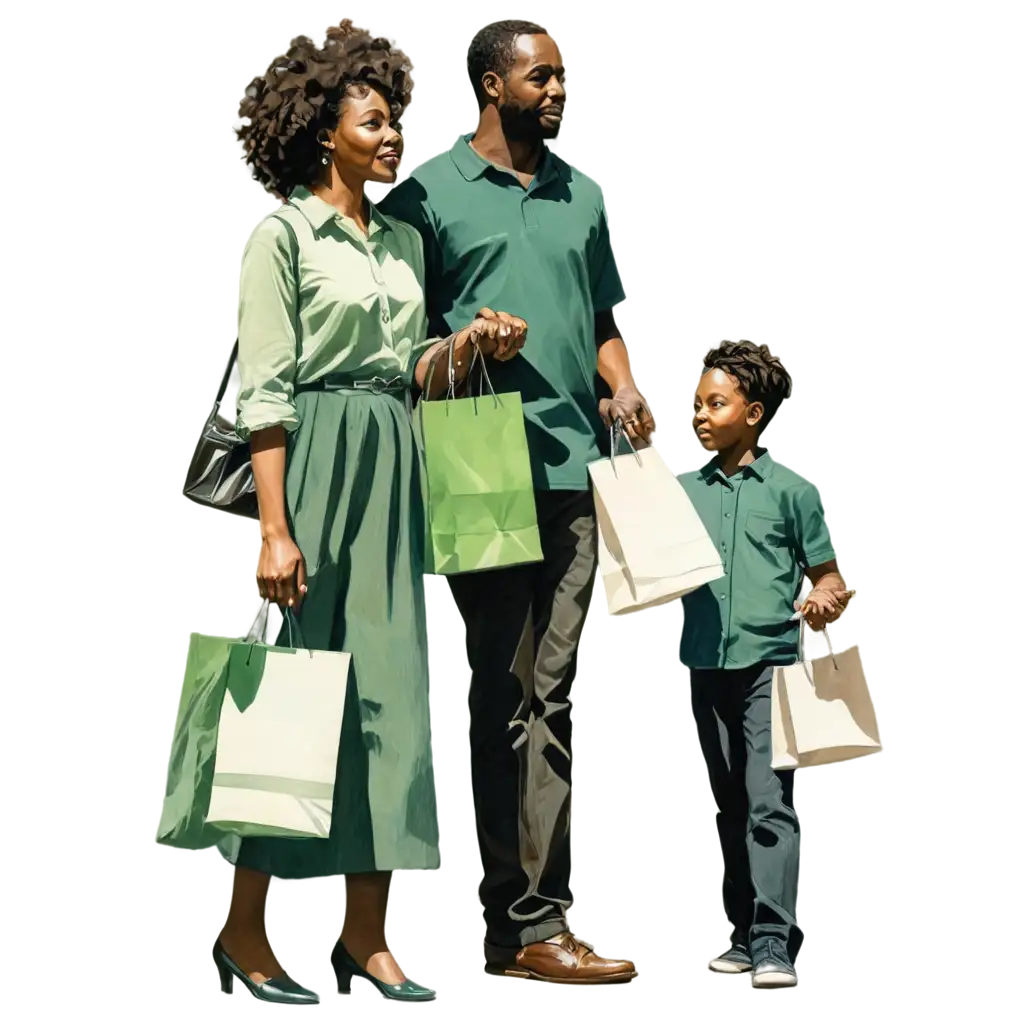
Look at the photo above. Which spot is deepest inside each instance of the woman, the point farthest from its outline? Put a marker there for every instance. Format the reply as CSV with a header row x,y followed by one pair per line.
x,y
332,337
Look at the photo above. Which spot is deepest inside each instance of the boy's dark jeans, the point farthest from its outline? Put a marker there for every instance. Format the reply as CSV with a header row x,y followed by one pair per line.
x,y
757,824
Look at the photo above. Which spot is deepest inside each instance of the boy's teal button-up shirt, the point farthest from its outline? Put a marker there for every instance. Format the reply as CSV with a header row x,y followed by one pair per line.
x,y
769,527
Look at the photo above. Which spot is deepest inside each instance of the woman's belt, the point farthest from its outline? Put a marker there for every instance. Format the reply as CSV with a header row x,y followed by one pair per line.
x,y
349,385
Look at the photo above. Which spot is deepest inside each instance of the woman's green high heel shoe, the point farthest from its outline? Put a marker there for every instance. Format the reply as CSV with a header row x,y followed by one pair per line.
x,y
345,967
274,990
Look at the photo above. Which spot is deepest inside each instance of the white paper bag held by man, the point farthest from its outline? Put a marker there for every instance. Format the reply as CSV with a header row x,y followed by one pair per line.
x,y
822,711
652,545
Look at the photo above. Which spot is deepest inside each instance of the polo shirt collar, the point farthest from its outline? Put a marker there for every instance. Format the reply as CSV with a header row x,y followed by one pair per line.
x,y
472,165
319,212
761,468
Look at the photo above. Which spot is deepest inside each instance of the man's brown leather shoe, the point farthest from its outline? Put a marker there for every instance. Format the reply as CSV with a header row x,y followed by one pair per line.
x,y
563,958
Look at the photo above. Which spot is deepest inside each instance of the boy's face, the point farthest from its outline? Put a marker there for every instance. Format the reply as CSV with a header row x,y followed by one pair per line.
x,y
722,415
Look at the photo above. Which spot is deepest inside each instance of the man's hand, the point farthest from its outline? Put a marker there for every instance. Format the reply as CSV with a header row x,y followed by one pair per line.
x,y
629,406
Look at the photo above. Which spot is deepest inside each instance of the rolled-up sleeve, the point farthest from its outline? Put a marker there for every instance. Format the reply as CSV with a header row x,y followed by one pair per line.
x,y
267,343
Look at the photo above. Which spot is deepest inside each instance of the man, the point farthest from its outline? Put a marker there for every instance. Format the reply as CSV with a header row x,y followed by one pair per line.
x,y
508,225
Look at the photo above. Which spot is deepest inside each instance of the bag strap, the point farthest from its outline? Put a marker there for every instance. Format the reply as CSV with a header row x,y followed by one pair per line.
x,y
293,249
485,377
617,432
800,642
258,630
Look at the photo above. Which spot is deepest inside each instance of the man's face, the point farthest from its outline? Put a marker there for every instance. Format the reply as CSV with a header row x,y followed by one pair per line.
x,y
533,94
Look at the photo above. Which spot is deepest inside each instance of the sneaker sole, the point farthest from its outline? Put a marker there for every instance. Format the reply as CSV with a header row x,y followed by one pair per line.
x,y
729,967
774,979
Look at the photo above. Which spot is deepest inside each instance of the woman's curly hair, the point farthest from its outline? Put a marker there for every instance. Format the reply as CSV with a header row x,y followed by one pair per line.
x,y
300,95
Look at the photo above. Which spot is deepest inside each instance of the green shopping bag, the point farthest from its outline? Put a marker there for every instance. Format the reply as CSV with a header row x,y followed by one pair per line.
x,y
186,776
477,481
255,741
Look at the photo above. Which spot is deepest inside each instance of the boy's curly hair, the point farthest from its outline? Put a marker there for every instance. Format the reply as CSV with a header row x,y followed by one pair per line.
x,y
760,375
300,95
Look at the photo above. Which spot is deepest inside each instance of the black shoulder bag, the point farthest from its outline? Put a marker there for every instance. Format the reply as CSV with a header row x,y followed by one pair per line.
x,y
220,474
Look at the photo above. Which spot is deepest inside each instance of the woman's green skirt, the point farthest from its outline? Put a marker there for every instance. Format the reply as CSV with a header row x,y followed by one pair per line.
x,y
356,512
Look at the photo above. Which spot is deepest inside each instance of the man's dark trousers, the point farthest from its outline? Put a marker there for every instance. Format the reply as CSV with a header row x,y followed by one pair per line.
x,y
757,824
523,626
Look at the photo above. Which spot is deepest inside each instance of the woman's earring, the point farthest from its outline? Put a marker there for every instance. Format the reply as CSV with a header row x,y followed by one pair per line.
x,y
325,159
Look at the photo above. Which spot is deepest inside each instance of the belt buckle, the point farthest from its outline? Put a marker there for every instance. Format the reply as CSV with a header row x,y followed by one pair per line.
x,y
380,386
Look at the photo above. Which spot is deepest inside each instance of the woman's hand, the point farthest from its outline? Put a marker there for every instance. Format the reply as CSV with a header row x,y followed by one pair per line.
x,y
281,573
510,338
491,334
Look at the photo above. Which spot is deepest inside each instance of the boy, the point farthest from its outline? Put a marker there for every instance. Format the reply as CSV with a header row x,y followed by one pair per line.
x,y
769,527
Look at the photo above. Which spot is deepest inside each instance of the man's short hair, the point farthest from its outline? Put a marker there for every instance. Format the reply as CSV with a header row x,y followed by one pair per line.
x,y
494,49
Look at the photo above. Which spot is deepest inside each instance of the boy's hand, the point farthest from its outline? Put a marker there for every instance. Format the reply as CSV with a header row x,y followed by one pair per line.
x,y
823,606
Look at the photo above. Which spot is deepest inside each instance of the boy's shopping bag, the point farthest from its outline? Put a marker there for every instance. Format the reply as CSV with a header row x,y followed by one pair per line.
x,y
477,482
255,748
821,710
652,546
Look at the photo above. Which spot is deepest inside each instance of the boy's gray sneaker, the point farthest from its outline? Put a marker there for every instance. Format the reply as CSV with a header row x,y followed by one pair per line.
x,y
735,960
772,967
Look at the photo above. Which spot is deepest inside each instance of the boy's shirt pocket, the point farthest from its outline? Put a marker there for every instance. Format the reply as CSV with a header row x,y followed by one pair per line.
x,y
768,529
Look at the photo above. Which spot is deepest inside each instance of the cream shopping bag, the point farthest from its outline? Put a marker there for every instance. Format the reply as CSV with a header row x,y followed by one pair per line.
x,y
652,545
278,737
821,710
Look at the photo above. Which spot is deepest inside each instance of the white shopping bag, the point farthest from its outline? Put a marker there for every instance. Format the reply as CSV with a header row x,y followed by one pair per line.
x,y
652,545
821,710
278,738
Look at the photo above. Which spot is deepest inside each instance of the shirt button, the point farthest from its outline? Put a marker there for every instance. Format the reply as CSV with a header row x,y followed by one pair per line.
x,y
728,515
721,597
384,316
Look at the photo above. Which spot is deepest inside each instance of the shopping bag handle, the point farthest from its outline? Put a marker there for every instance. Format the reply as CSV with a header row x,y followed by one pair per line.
x,y
484,375
450,343
258,630
293,623
800,642
615,432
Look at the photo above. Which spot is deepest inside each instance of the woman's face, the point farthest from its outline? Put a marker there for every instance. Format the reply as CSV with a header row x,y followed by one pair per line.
x,y
365,142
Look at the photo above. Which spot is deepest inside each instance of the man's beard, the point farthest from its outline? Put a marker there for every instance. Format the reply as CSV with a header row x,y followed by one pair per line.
x,y
522,124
